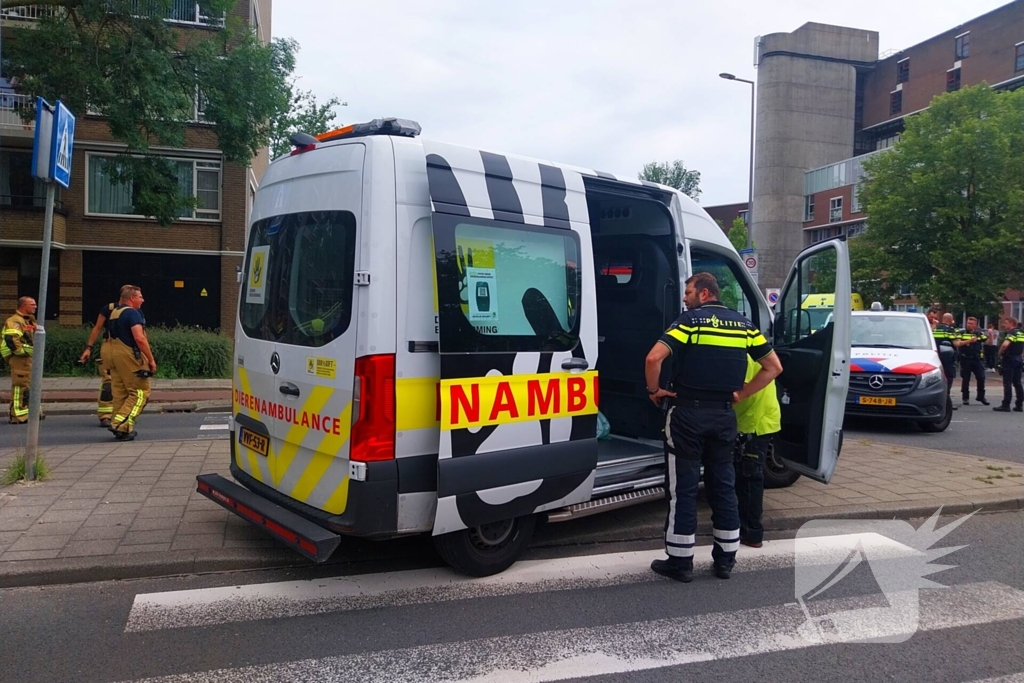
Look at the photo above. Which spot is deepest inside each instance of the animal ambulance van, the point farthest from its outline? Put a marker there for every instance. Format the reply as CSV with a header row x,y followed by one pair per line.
x,y
426,333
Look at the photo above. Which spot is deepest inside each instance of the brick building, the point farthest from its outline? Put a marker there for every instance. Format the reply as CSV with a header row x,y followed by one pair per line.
x,y
187,269
826,99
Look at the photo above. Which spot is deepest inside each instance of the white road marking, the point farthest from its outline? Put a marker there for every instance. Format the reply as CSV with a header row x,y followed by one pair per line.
x,y
1012,678
622,648
215,426
209,606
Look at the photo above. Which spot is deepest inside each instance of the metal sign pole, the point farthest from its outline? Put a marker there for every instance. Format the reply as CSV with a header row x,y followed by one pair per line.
x,y
35,396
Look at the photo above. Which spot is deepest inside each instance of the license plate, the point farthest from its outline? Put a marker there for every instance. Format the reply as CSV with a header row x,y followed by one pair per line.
x,y
876,401
254,441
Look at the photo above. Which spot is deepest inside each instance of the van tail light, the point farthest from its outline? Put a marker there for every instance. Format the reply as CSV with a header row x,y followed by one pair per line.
x,y
373,434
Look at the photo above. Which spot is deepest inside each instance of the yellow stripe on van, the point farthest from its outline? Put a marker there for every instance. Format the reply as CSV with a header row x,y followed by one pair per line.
x,y
416,403
318,398
251,456
323,457
338,501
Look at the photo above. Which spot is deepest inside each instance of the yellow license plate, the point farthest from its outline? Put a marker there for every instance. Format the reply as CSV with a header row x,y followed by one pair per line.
x,y
876,401
254,441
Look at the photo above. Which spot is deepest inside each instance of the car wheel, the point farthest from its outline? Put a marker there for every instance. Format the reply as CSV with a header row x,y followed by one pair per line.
x,y
776,474
941,425
486,549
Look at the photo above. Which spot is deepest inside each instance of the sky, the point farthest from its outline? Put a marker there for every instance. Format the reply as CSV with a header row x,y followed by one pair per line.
x,y
603,84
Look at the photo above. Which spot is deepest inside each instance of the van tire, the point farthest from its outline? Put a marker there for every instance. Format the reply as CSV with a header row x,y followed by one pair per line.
x,y
776,474
941,425
487,549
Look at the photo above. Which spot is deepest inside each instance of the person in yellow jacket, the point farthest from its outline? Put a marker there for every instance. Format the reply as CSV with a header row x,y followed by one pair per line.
x,y
757,418
132,362
16,348
105,402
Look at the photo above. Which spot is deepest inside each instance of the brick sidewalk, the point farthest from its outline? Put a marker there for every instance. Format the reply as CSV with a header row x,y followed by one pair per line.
x,y
108,501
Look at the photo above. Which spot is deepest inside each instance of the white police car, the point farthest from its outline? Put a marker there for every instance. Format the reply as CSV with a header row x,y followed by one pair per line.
x,y
895,371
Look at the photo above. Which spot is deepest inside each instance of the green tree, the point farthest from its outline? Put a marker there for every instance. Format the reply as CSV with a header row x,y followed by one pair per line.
x,y
946,205
738,233
149,78
304,115
673,174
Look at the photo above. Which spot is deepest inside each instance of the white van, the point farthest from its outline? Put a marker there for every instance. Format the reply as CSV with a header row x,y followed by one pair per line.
x,y
426,331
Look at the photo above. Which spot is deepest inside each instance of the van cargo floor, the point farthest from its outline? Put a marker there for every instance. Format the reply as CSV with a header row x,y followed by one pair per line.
x,y
625,465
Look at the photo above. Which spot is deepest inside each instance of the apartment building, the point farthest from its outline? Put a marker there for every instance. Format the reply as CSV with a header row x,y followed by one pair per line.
x,y
187,269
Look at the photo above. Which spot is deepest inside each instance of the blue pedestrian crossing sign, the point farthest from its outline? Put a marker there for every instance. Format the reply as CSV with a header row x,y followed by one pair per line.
x,y
54,141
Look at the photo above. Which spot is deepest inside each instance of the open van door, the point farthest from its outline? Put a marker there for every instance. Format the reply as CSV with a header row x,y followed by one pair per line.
x,y
517,325
815,362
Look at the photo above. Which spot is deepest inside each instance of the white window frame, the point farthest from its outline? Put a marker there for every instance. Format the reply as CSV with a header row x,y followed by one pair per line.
x,y
832,206
213,164
965,34
808,208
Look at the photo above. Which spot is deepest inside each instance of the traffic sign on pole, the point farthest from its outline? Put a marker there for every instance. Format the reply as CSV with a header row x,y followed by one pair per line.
x,y
749,257
773,295
62,144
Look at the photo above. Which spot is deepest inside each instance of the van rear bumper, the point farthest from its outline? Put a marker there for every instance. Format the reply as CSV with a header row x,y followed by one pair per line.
x,y
371,512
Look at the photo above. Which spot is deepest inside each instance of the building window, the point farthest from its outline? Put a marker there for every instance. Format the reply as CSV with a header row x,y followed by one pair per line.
x,y
952,80
903,71
855,198
1018,64
199,179
743,215
835,209
856,229
963,46
17,186
809,208
895,102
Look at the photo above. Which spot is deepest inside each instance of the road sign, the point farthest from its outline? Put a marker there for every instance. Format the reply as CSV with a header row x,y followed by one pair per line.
x,y
773,295
749,257
41,157
61,145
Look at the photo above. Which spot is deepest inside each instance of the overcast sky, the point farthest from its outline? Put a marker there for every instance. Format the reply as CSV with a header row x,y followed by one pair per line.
x,y
604,84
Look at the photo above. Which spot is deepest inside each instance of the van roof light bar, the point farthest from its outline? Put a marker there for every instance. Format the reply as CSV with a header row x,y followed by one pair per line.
x,y
389,126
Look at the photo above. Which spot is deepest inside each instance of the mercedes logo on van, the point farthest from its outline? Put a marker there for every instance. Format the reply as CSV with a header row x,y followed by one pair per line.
x,y
876,382
275,362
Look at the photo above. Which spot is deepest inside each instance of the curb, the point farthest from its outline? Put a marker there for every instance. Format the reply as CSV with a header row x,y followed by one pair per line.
x,y
175,407
24,573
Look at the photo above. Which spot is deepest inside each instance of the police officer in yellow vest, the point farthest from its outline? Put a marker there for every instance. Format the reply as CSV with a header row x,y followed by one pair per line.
x,y
16,349
132,362
105,403
757,417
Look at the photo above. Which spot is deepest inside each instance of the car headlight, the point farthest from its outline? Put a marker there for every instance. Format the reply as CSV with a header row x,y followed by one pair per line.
x,y
931,377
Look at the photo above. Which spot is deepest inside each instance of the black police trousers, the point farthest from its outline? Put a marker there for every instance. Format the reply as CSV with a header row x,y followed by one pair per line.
x,y
1012,380
749,464
972,366
694,436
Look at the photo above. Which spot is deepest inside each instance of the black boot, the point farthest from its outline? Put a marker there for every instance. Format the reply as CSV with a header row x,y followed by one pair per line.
x,y
1002,409
983,401
673,570
723,572
1018,409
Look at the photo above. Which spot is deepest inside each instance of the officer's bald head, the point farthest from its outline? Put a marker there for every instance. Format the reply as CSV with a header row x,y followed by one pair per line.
x,y
947,318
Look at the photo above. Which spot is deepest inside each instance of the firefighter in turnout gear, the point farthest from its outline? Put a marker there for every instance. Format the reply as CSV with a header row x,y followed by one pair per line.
x,y
709,344
132,362
1011,352
945,335
16,349
105,403
971,342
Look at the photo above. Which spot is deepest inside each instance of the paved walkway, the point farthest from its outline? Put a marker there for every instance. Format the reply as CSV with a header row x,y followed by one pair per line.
x,y
114,510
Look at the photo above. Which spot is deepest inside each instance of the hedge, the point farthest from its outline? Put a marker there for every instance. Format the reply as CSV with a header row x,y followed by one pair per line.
x,y
180,352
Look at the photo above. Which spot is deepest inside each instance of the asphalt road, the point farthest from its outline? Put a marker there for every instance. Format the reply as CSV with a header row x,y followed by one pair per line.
x,y
571,612
975,430
62,430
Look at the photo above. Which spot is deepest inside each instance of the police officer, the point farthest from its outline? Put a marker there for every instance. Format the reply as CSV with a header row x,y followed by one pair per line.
x,y
132,362
945,335
16,349
757,418
1012,350
971,342
105,402
709,344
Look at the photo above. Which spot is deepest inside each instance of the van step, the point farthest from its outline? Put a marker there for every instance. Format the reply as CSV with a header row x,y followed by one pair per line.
x,y
593,507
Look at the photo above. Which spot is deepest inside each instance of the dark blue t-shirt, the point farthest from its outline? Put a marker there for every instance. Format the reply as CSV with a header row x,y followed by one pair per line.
x,y
121,326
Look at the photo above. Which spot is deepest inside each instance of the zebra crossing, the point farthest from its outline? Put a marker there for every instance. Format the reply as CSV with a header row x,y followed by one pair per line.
x,y
215,426
579,652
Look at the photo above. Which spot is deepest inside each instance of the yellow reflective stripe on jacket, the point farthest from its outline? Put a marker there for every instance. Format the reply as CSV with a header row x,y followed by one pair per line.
x,y
715,338
676,333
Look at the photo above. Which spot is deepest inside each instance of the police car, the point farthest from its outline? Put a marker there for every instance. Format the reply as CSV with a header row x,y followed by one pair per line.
x,y
895,371
425,332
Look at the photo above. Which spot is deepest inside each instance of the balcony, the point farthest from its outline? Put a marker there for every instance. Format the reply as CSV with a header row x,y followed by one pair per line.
x,y
181,12
12,106
29,13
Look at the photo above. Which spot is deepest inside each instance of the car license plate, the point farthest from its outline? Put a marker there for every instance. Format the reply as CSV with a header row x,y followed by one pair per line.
x,y
254,441
876,401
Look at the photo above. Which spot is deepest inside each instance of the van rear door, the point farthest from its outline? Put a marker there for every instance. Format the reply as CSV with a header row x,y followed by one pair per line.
x,y
815,362
518,336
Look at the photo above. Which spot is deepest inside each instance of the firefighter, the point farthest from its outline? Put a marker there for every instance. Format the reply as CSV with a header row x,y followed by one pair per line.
x,y
132,363
1011,351
945,334
709,344
971,341
105,402
16,349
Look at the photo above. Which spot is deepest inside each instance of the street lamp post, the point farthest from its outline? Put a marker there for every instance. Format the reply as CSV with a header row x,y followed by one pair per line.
x,y
750,191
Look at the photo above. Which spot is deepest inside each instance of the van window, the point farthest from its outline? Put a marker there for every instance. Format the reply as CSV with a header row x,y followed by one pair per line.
x,y
299,275
506,287
733,289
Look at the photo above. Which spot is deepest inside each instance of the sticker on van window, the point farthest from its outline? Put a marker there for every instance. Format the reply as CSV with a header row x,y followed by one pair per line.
x,y
256,284
325,368
483,294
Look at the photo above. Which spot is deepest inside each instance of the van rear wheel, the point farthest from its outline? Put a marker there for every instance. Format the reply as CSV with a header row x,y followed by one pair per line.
x,y
776,474
486,549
